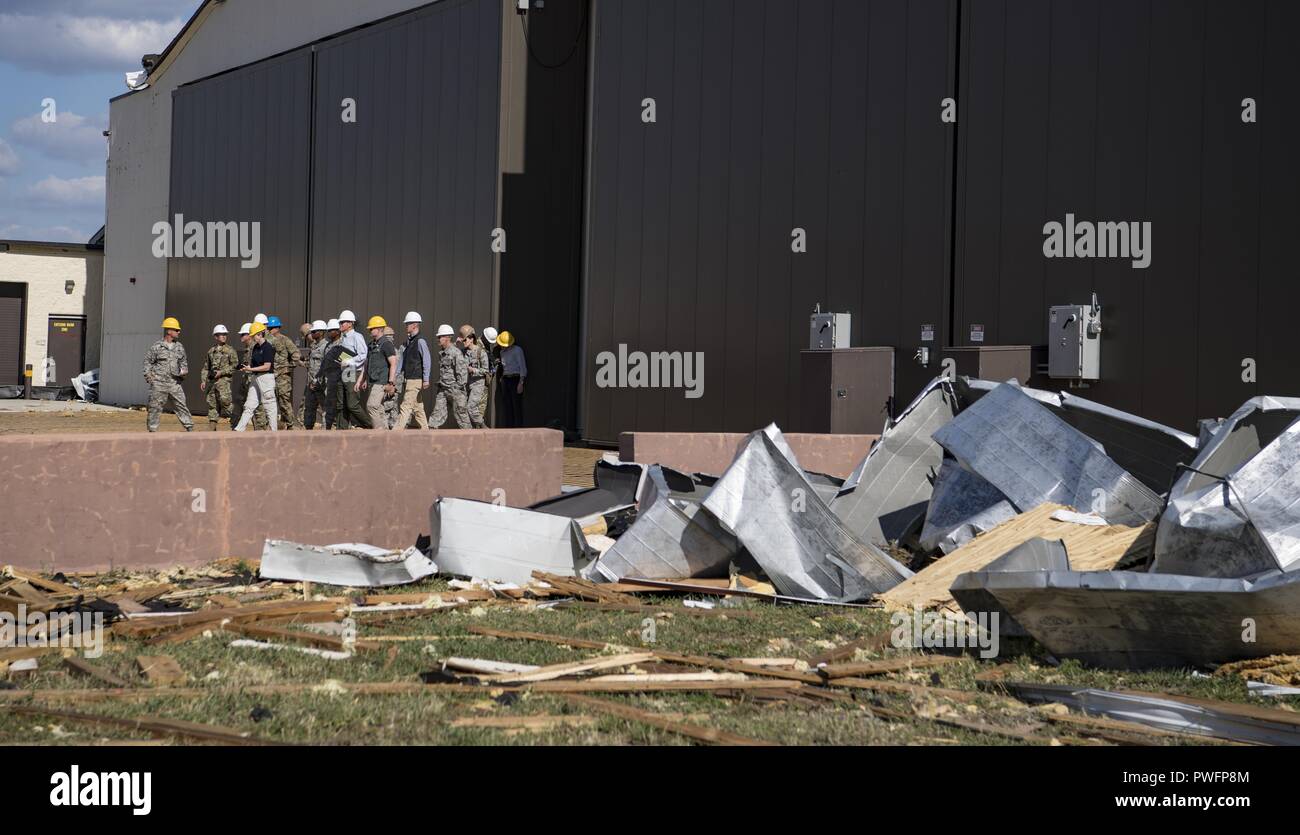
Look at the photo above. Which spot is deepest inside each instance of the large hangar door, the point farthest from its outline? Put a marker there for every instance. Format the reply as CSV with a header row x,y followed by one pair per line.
x,y
721,127
240,147
405,182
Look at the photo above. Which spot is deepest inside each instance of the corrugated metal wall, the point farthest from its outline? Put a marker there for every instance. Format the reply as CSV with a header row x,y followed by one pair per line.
x,y
405,198
240,152
1118,110
813,114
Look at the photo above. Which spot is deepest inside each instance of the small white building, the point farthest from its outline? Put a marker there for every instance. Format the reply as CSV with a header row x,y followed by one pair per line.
x,y
51,297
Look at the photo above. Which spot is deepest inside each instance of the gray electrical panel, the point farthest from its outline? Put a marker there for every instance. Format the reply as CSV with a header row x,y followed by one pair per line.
x,y
1074,342
829,331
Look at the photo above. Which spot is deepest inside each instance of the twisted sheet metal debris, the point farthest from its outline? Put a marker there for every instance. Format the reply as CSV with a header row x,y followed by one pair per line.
x,y
1169,713
673,535
791,532
1020,447
617,487
962,506
886,496
1237,511
1127,619
356,565
495,542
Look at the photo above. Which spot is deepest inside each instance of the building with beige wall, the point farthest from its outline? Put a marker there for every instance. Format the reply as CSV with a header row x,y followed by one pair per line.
x,y
51,297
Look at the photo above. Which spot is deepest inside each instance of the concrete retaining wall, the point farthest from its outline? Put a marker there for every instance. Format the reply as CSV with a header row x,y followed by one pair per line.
x,y
89,502
705,452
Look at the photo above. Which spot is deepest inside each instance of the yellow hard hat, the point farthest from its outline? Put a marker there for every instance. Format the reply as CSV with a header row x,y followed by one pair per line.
x,y
377,322
257,328
505,339
170,324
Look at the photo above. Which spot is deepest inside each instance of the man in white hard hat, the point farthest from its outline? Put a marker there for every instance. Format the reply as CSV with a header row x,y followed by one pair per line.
x,y
329,377
313,395
349,410
417,366
218,371
488,406
453,375
260,319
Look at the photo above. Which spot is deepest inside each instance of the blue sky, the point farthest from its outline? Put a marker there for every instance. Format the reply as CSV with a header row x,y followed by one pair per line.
x,y
76,52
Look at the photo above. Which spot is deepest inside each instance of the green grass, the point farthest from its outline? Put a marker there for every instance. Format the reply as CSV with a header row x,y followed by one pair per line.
x,y
425,718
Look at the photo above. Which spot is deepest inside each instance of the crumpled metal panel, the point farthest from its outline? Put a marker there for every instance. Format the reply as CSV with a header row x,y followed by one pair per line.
x,y
673,537
962,507
802,546
1168,713
892,485
617,485
1031,455
1127,619
1149,451
354,565
495,542
1247,520
1248,524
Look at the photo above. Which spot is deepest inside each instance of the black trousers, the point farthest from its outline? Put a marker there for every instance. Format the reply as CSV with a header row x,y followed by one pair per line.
x,y
512,402
313,401
348,409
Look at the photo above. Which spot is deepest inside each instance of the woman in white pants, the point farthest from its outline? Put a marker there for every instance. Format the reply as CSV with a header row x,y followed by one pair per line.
x,y
260,366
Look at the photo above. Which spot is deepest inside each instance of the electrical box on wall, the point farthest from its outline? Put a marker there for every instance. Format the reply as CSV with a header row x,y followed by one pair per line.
x,y
1074,342
829,331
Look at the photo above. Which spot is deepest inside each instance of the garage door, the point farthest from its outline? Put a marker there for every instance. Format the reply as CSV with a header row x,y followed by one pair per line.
x,y
11,333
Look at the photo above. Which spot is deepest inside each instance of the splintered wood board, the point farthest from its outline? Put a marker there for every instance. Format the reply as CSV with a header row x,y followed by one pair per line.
x,y
1091,548
161,670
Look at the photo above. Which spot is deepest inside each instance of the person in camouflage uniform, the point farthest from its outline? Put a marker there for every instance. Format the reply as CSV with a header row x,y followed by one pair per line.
x,y
453,376
313,400
165,365
476,388
218,369
260,422
393,403
287,357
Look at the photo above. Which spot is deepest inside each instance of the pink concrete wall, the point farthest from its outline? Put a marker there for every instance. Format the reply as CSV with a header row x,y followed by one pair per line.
x,y
712,452
88,502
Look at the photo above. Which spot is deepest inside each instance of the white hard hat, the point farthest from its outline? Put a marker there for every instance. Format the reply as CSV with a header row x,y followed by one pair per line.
x,y
348,316
260,319
413,318
332,325
445,330
490,334
219,329
248,326
318,325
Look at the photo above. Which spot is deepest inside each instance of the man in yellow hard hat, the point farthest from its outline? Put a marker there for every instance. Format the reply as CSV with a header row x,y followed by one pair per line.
x,y
165,365
381,372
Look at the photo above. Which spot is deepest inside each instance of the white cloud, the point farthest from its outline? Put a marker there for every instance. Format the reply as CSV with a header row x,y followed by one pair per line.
x,y
71,136
49,234
64,44
56,192
8,159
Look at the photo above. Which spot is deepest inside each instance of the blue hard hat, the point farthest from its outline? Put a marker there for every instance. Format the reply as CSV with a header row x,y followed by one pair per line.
x,y
273,321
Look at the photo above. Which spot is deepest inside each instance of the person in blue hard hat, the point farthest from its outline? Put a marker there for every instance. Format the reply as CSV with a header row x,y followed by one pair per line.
x,y
287,358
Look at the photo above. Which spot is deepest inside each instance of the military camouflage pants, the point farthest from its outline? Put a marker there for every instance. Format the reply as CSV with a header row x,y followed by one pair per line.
x,y
159,395
477,401
220,401
284,401
453,400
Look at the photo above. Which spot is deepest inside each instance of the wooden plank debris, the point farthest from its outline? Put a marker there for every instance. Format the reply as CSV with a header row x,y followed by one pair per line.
x,y
886,666
1091,548
571,668
82,667
161,670
710,735
152,724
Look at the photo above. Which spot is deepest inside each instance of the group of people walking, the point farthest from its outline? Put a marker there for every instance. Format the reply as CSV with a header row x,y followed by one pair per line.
x,y
352,382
